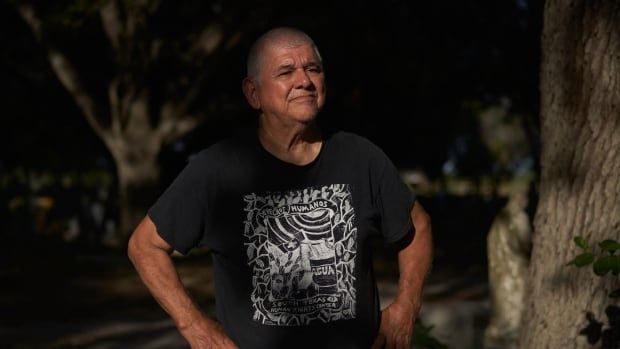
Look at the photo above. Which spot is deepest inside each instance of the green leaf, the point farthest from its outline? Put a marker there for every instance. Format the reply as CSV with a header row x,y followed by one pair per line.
x,y
610,245
581,242
582,260
615,294
604,264
615,264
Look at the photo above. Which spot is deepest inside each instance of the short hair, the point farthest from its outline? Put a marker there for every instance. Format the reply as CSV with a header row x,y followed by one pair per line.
x,y
283,36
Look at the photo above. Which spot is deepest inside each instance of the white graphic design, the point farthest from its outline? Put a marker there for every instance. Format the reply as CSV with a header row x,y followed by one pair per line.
x,y
301,247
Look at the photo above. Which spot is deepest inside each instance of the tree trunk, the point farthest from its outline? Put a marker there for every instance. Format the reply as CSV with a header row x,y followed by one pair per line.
x,y
138,184
136,156
580,175
508,246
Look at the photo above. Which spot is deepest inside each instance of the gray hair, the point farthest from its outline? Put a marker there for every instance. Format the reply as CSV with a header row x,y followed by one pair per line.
x,y
283,37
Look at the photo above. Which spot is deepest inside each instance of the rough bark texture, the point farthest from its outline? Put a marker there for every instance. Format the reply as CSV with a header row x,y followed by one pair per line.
x,y
580,175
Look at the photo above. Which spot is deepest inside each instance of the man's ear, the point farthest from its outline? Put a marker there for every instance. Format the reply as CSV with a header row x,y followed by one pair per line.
x,y
250,91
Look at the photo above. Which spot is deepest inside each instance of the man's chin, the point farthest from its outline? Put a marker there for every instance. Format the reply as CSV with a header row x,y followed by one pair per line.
x,y
307,116
307,119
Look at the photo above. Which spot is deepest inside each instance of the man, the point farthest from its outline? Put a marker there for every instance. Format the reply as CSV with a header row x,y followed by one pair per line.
x,y
287,213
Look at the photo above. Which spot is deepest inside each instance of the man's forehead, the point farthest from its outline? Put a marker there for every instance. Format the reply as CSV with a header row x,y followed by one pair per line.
x,y
286,38
288,55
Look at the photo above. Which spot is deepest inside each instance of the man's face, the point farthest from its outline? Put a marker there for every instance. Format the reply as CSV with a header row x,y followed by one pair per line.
x,y
291,84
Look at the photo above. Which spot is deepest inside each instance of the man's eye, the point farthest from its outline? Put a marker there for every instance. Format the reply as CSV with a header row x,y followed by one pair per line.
x,y
284,73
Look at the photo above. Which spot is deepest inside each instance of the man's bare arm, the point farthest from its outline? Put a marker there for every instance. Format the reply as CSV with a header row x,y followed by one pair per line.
x,y
414,261
150,254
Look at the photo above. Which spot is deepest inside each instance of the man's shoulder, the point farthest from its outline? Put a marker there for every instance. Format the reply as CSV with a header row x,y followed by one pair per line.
x,y
225,148
353,141
348,137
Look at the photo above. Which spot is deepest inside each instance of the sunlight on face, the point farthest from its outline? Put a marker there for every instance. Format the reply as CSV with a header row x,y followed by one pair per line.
x,y
291,83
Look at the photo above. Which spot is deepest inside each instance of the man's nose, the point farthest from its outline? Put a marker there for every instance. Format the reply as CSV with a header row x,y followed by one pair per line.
x,y
302,80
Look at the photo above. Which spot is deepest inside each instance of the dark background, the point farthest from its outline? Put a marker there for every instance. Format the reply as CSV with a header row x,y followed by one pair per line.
x,y
413,77
400,74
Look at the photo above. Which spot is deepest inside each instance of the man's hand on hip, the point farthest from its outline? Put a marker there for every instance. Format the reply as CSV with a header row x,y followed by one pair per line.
x,y
396,327
205,333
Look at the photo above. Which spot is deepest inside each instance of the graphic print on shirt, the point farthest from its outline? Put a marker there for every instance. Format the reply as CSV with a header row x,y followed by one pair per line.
x,y
301,247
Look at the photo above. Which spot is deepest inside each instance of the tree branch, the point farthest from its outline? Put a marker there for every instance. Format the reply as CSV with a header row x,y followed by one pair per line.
x,y
171,127
112,24
115,106
65,72
183,126
211,42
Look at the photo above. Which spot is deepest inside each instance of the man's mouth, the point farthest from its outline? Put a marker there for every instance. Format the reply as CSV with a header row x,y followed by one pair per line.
x,y
304,98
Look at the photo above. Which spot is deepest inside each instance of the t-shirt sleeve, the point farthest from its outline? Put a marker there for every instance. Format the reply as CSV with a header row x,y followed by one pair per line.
x,y
180,213
394,201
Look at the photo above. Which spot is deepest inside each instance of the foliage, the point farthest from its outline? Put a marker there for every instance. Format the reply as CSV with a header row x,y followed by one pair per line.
x,y
422,337
603,262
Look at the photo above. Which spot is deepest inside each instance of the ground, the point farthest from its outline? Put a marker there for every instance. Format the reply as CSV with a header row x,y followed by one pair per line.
x,y
70,296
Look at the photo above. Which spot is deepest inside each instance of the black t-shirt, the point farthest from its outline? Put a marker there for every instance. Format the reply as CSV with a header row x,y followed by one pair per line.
x,y
292,265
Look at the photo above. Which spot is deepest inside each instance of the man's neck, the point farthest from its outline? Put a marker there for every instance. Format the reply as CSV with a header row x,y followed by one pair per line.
x,y
296,143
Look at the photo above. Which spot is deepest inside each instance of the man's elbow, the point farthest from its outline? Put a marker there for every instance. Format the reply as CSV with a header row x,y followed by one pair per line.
x,y
425,222
421,219
133,246
138,242
145,241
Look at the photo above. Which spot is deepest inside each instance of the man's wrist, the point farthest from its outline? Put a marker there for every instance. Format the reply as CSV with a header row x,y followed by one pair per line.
x,y
190,319
409,303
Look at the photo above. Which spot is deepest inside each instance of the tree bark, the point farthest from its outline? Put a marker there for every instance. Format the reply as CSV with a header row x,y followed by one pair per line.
x,y
580,174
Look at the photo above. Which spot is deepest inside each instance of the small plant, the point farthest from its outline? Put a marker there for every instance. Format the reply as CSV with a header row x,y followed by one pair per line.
x,y
422,338
603,262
